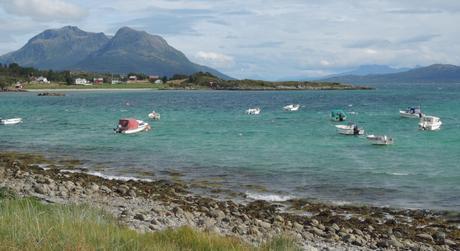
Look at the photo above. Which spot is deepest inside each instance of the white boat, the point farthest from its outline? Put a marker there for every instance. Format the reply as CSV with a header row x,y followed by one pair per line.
x,y
380,140
253,111
292,108
130,126
412,112
430,123
350,129
154,115
12,121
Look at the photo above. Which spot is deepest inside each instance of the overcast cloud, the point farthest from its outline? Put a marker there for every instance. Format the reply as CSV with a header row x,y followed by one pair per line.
x,y
266,39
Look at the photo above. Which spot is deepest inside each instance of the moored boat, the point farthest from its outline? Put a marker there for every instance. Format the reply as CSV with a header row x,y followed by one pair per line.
x,y
412,112
154,115
292,107
338,115
380,140
253,111
430,123
350,129
12,121
130,126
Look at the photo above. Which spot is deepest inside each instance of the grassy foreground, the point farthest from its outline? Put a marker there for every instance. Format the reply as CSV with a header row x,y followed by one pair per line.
x,y
27,224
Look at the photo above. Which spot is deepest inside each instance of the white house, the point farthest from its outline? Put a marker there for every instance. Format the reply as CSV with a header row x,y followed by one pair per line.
x,y
42,79
81,81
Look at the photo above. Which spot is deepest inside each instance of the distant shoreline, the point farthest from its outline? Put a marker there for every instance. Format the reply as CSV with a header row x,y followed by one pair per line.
x,y
91,89
88,90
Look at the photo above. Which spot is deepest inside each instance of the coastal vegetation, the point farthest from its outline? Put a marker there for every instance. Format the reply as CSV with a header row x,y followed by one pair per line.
x,y
29,224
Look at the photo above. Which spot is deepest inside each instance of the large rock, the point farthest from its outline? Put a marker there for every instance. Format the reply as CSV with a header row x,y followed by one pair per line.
x,y
123,189
139,216
93,188
69,185
298,227
425,237
177,211
264,224
41,188
317,231
218,214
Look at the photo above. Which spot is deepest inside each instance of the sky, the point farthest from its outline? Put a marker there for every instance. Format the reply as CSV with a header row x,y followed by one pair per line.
x,y
261,39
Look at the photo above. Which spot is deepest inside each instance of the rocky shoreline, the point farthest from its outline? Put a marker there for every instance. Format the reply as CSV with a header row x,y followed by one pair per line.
x,y
152,205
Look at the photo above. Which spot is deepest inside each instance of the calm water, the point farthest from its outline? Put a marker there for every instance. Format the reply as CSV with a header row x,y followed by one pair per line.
x,y
207,136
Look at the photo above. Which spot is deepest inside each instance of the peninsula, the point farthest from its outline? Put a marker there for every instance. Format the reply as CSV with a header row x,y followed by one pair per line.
x,y
16,78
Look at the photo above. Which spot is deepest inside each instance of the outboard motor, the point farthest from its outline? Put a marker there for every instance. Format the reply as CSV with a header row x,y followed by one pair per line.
x,y
355,130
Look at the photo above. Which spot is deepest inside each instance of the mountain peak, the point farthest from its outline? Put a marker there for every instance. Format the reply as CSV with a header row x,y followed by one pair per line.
x,y
127,29
443,66
71,28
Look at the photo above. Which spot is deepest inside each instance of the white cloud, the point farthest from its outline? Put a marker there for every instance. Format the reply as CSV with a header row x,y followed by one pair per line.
x,y
214,59
370,51
43,10
324,62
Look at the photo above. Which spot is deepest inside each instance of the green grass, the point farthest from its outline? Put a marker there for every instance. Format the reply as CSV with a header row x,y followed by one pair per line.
x,y
27,224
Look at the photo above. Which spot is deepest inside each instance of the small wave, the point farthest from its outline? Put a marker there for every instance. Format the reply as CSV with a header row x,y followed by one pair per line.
x,y
108,177
399,174
44,167
268,197
340,202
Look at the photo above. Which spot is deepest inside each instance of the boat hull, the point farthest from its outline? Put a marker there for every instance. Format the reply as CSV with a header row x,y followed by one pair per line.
x,y
10,121
137,130
253,111
141,128
410,115
430,127
291,108
380,140
154,116
347,130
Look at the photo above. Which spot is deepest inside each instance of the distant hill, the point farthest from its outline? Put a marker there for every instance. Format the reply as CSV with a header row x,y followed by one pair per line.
x,y
359,71
363,70
437,73
70,48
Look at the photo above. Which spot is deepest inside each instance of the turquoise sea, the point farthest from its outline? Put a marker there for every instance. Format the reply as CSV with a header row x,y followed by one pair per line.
x,y
206,136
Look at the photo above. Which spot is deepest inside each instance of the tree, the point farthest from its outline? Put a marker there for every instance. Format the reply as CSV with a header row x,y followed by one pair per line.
x,y
68,78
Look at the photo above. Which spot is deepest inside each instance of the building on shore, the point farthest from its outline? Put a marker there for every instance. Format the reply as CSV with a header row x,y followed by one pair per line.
x,y
81,81
153,78
42,79
98,81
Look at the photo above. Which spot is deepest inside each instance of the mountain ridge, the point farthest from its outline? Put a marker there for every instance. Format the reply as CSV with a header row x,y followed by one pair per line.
x,y
435,73
129,50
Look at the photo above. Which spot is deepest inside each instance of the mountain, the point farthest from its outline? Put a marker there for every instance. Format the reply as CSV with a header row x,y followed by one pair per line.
x,y
360,71
363,70
57,49
436,73
127,51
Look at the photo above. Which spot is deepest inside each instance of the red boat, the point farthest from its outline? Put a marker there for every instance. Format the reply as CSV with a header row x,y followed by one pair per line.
x,y
130,126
